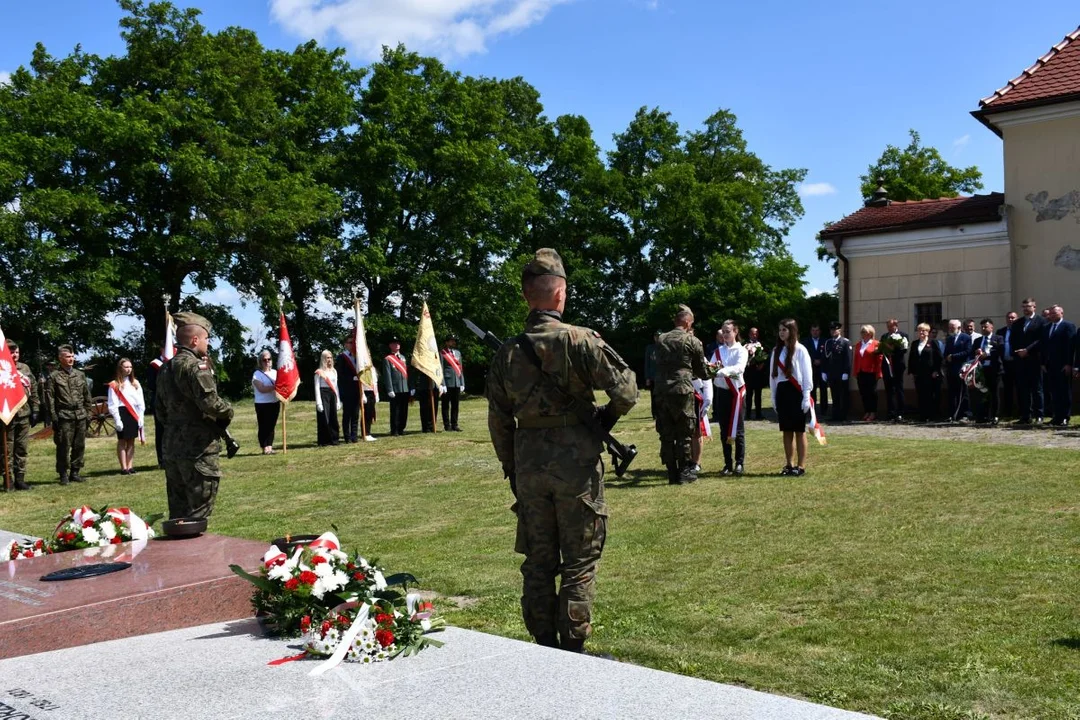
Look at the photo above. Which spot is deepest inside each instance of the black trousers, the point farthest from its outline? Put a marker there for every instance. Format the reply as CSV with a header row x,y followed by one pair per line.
x,y
266,417
820,393
159,440
450,401
429,406
927,390
753,395
327,420
1008,387
399,413
868,391
350,417
1029,388
722,412
840,398
958,400
1060,393
894,391
987,402
369,411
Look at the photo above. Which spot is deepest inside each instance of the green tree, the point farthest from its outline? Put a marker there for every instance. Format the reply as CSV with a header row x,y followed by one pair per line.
x,y
918,172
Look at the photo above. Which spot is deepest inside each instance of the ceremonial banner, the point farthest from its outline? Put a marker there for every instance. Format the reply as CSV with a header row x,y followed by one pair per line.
x,y
363,353
169,344
12,392
288,375
425,355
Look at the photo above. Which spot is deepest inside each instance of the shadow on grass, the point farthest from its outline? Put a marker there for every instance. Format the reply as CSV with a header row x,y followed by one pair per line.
x,y
1071,643
635,479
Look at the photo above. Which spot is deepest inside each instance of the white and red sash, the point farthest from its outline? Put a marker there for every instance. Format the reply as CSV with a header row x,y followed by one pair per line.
x,y
452,361
819,434
704,426
398,364
328,381
127,403
737,398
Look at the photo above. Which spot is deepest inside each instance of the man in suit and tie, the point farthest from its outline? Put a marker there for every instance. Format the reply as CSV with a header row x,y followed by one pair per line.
x,y
815,345
1057,353
987,350
1008,364
892,370
1025,348
957,349
836,369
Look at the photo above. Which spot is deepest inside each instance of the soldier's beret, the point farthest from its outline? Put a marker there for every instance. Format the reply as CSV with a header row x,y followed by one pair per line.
x,y
546,262
683,309
835,325
189,318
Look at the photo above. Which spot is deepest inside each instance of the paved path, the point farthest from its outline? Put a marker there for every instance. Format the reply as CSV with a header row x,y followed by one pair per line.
x,y
1039,437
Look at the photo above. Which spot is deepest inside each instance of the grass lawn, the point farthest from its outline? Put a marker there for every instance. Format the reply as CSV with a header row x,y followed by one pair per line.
x,y
912,579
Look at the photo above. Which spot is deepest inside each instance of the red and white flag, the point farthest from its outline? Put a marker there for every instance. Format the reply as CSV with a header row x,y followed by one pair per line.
x,y
288,375
169,347
12,392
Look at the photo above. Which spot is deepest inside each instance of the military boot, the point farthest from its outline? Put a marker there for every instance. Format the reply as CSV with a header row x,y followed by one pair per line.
x,y
688,474
20,483
64,480
574,645
548,639
673,474
76,477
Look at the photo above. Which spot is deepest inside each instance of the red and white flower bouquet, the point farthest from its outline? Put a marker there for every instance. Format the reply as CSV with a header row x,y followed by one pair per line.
x,y
376,631
84,528
19,549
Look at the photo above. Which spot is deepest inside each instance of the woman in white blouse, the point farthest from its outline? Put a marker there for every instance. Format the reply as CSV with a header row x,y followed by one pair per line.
x,y
267,405
791,380
327,400
127,407
729,397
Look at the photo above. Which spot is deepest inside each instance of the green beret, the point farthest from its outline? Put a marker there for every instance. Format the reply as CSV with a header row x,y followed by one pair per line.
x,y
546,262
189,318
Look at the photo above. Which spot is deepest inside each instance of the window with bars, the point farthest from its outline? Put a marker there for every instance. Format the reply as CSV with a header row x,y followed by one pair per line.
x,y
929,313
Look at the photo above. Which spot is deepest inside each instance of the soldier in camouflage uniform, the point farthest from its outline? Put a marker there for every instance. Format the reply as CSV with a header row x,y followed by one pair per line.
x,y
680,357
551,458
67,396
194,418
18,432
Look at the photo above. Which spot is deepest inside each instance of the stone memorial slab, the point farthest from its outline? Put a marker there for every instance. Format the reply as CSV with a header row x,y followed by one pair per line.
x,y
170,584
221,671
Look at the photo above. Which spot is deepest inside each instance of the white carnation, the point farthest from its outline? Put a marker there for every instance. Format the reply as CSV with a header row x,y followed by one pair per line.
x,y
318,589
279,572
341,578
91,535
324,570
108,530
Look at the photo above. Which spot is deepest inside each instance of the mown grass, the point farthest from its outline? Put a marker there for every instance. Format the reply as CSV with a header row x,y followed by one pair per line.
x,y
912,579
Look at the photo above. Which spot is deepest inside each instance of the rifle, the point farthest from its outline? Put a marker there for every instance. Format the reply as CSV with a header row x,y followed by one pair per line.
x,y
621,455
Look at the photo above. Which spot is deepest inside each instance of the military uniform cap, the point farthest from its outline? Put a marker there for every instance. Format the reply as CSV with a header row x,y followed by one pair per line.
x,y
394,339
451,337
545,262
835,325
683,308
189,318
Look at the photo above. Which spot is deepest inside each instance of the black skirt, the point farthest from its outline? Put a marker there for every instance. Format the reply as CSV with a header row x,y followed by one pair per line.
x,y
131,425
788,404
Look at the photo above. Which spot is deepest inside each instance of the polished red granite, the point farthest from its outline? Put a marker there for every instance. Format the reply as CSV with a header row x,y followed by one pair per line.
x,y
171,584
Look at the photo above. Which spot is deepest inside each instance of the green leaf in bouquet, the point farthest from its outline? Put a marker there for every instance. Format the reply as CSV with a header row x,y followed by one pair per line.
x,y
259,582
151,519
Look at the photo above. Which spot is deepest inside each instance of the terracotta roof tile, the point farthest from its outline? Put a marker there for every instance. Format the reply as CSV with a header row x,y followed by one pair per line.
x,y
897,216
1055,75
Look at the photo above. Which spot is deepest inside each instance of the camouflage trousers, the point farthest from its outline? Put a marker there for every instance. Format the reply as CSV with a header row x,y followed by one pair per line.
x,y
191,494
676,423
18,446
562,525
70,439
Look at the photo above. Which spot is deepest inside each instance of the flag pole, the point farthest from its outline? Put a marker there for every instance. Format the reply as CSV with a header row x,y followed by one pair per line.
x,y
363,402
434,420
284,429
7,463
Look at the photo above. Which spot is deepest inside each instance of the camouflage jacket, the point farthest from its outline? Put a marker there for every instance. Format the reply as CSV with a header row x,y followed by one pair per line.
x,y
680,357
68,396
189,406
580,362
30,387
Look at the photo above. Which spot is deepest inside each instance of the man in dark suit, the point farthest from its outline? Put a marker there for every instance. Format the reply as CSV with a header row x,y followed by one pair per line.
x,y
815,345
892,370
1057,352
1025,347
1008,365
836,369
988,351
957,349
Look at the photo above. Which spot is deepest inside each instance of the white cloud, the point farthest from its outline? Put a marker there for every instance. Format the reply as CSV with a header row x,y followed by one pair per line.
x,y
814,291
441,27
961,141
5,77
815,189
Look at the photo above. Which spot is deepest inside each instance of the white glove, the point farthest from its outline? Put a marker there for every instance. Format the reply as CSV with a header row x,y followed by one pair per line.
x,y
140,424
806,404
824,377
412,393
318,408
844,376
119,426
392,394
442,389
363,398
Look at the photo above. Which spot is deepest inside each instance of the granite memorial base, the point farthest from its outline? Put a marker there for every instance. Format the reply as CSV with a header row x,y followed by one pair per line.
x,y
171,584
221,671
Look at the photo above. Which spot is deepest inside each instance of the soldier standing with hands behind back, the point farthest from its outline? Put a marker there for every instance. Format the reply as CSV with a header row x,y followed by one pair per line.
x,y
538,388
68,399
195,418
680,358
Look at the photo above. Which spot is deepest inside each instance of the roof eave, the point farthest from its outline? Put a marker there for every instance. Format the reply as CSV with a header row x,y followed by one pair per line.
x,y
983,113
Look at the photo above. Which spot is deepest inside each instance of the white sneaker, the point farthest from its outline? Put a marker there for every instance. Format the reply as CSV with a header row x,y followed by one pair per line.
x,y
370,438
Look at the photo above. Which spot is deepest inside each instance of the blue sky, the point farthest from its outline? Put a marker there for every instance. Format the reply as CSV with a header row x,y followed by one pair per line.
x,y
822,86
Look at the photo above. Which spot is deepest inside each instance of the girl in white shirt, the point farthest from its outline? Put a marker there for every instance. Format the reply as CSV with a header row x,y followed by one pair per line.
x,y
267,405
791,380
729,397
327,400
127,407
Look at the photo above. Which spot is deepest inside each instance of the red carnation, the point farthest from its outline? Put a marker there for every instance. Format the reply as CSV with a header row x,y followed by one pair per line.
x,y
292,584
117,540
318,560
342,620
325,627
305,623
350,566
383,618
69,537
308,578
425,607
359,576
385,637
88,523
28,553
39,544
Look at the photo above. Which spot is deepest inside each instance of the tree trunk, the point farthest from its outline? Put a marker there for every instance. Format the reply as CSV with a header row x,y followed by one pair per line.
x,y
153,312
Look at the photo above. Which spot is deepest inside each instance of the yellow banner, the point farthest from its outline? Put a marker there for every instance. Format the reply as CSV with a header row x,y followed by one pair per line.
x,y
425,355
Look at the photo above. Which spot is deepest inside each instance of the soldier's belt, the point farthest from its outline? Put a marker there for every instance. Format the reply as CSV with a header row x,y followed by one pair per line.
x,y
547,421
